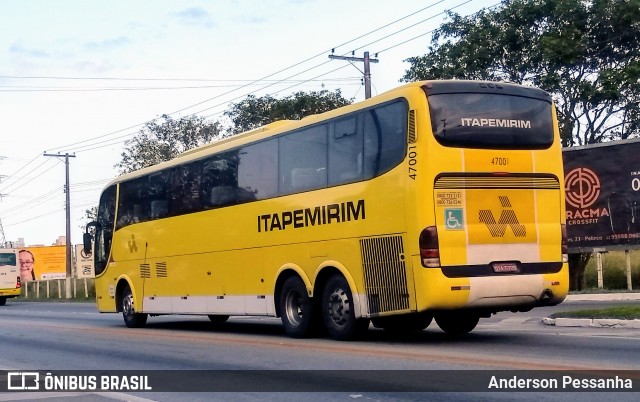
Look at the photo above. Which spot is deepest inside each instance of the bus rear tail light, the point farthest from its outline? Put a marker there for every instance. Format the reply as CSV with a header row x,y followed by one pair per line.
x,y
429,250
18,283
565,248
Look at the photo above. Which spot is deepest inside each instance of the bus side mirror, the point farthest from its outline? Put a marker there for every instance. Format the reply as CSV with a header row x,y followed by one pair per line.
x,y
87,238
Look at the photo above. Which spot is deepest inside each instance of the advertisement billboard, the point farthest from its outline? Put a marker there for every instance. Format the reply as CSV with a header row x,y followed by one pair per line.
x,y
602,188
44,262
84,263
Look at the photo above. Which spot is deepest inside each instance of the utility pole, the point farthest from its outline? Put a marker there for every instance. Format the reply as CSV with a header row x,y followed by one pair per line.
x,y
367,70
68,213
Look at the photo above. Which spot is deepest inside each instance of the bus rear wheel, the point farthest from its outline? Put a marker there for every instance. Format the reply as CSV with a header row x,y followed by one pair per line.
x,y
3,301
338,311
457,323
131,318
296,308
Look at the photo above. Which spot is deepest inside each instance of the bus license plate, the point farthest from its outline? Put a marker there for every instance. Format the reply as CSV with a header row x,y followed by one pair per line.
x,y
504,267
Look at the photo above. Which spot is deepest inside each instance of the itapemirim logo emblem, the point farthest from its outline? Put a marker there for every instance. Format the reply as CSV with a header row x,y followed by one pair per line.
x,y
582,187
507,218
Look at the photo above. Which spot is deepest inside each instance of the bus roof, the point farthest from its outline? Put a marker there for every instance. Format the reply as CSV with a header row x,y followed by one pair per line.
x,y
280,126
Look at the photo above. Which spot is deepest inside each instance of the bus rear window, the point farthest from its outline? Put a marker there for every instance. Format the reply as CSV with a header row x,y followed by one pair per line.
x,y
489,120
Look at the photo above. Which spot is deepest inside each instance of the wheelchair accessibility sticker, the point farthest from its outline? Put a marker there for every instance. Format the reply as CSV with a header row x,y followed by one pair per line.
x,y
453,218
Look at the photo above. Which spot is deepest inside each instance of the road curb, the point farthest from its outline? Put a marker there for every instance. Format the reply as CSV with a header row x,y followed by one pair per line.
x,y
592,323
603,296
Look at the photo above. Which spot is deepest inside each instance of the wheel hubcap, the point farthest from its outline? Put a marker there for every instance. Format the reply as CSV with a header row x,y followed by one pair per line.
x,y
293,308
127,305
339,307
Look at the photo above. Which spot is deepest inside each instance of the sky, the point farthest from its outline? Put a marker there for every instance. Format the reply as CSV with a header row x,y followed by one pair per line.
x,y
81,77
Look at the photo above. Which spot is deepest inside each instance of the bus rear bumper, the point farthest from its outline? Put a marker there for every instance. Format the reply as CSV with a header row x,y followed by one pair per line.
x,y
496,293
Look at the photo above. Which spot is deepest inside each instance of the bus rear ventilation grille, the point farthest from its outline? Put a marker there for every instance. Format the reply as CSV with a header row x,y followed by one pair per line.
x,y
385,274
412,126
486,181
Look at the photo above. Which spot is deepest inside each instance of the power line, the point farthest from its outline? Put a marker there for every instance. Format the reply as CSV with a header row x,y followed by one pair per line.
x,y
22,88
108,142
18,180
91,144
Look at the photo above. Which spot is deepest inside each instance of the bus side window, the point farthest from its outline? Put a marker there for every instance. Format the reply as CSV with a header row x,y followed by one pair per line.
x,y
258,171
184,191
220,180
303,160
159,201
385,131
159,209
346,151
133,206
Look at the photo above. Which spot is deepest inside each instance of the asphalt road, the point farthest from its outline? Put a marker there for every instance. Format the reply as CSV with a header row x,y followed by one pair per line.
x,y
247,353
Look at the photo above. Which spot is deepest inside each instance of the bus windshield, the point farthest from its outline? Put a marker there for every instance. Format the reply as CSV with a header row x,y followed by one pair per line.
x,y
490,120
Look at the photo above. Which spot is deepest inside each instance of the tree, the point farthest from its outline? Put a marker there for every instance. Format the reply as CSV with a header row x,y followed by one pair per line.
x,y
584,52
162,140
90,215
253,112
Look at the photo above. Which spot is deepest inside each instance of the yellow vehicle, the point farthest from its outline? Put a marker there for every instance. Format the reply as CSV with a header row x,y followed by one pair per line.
x,y
9,275
438,199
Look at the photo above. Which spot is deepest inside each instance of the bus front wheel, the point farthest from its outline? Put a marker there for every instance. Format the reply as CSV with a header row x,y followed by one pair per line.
x,y
131,318
296,308
338,311
457,322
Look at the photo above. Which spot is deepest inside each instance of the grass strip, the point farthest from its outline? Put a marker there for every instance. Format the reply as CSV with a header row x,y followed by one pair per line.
x,y
616,312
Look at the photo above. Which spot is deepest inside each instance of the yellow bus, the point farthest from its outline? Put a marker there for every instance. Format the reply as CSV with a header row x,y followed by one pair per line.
x,y
10,284
436,200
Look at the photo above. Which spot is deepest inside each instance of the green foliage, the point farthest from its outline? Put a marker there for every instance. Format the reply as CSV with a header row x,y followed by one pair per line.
x,y
164,139
253,112
614,271
37,290
585,53
577,264
625,312
90,215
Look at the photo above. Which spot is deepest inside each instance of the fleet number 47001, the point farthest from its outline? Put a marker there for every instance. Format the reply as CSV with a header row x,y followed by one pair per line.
x,y
499,161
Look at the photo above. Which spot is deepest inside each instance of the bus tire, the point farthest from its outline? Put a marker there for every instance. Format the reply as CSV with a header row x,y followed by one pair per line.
x,y
338,311
3,301
218,319
296,308
457,323
403,323
131,318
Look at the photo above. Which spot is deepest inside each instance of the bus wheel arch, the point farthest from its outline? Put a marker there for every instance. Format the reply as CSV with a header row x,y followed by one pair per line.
x,y
126,304
339,307
297,310
332,268
283,274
